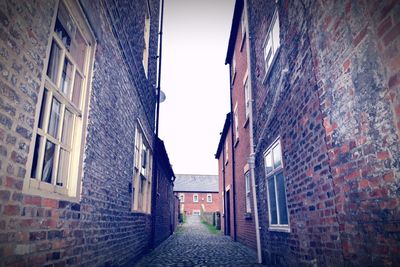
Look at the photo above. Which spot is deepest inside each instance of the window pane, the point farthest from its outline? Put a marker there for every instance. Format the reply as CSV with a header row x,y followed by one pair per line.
x,y
272,201
54,61
54,118
277,155
280,185
76,94
275,33
66,77
268,163
63,165
43,109
78,50
67,127
48,162
65,26
36,156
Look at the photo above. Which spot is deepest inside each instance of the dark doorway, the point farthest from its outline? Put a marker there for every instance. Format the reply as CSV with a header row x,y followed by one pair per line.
x,y
228,213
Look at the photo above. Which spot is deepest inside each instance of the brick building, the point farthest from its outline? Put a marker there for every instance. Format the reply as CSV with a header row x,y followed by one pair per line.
x,y
77,133
197,193
324,83
241,209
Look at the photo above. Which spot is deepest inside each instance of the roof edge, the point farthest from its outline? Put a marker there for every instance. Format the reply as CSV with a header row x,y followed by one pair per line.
x,y
234,28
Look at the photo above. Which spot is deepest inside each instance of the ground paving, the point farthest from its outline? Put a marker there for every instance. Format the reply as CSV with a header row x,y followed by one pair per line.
x,y
193,245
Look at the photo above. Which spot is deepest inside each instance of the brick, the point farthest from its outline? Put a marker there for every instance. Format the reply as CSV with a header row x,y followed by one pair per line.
x,y
394,80
391,35
4,195
49,203
33,236
24,132
384,26
33,200
11,210
383,155
360,36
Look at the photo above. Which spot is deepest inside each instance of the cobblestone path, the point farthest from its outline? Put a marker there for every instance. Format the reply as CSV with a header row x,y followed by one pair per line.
x,y
193,245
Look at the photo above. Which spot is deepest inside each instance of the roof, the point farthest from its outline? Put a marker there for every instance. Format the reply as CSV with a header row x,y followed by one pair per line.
x,y
163,159
196,183
223,135
237,14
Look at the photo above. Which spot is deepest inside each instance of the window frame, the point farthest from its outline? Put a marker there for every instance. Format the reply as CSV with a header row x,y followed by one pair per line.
x,y
233,67
55,92
142,178
181,197
209,196
247,191
247,97
276,170
195,196
270,41
226,151
236,123
146,37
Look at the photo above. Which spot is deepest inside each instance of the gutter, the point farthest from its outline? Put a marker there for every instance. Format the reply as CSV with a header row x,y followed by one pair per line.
x,y
251,159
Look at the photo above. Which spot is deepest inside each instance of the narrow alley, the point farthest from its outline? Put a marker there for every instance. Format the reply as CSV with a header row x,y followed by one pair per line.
x,y
194,245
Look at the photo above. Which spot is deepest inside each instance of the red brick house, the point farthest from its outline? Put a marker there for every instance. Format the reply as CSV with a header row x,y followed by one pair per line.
x,y
233,150
324,89
197,193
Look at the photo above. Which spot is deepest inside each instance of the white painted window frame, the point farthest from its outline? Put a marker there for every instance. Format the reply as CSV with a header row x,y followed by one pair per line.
x,y
209,198
271,44
195,198
272,175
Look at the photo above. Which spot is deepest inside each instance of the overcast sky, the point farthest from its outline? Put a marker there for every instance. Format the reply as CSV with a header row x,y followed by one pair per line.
x,y
195,80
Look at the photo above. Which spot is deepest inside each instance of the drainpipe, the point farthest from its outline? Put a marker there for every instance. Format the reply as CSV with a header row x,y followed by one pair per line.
x,y
233,154
251,159
154,171
223,189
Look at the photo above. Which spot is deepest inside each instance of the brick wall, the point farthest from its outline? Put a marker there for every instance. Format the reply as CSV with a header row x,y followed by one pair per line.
x,y
357,69
100,229
337,116
288,106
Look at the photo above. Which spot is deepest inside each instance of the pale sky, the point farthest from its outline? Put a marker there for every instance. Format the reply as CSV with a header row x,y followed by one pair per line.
x,y
195,80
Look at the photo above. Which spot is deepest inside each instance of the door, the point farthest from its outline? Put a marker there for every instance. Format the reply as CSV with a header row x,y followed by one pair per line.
x,y
227,213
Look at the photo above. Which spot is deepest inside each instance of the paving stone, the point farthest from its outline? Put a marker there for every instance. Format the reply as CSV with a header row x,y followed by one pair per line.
x,y
193,245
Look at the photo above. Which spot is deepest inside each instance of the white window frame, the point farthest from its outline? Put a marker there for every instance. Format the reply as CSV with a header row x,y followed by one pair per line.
x,y
276,170
195,198
236,123
69,187
142,173
226,151
271,44
247,191
247,97
243,26
233,66
209,198
182,198
146,37
196,212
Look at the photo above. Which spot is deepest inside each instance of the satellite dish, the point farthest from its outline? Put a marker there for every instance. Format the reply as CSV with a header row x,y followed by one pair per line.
x,y
162,96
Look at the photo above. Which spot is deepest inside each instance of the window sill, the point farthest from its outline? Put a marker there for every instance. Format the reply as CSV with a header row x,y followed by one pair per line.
x,y
248,216
284,229
236,142
267,73
45,190
246,122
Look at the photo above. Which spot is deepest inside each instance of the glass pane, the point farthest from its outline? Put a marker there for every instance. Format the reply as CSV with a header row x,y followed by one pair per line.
x,y
54,118
63,165
54,62
36,156
66,77
48,162
280,185
43,109
78,49
76,94
65,26
268,163
277,155
275,34
67,127
272,201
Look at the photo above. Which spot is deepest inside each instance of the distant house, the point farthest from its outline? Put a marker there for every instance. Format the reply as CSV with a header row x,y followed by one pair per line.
x,y
197,192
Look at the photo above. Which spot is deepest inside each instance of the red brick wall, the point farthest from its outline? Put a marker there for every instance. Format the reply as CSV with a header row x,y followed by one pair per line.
x,y
245,227
189,205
